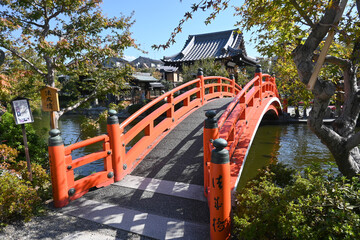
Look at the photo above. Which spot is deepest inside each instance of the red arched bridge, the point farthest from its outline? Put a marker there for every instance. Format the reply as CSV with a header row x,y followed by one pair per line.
x,y
176,181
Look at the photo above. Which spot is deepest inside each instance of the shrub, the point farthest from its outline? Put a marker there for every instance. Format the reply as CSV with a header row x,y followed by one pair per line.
x,y
17,199
41,181
284,204
11,135
8,154
20,198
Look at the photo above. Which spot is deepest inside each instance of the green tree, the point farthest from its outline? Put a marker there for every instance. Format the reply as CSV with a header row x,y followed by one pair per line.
x,y
296,31
22,81
71,37
210,68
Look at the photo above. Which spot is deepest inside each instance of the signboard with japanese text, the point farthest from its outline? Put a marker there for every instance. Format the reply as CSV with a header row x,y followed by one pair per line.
x,y
22,111
50,99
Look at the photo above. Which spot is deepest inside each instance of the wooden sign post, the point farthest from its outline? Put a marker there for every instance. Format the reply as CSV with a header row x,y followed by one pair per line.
x,y
50,102
22,114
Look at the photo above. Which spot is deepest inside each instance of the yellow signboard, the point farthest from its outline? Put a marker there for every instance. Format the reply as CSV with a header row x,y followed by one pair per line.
x,y
50,99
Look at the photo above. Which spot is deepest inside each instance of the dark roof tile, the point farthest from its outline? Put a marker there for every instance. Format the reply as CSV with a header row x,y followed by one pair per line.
x,y
211,45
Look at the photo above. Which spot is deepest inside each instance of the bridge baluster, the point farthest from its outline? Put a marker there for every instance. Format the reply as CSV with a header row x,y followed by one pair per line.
x,y
115,134
200,75
258,72
170,112
58,169
232,77
211,132
220,191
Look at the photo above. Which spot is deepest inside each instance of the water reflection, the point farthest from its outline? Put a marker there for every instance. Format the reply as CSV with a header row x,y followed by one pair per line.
x,y
294,145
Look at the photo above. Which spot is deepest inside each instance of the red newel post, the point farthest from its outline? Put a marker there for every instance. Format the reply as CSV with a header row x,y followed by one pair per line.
x,y
258,72
114,133
211,132
232,77
200,75
58,169
220,191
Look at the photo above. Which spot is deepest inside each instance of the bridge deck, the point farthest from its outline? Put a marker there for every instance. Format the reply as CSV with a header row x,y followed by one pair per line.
x,y
163,197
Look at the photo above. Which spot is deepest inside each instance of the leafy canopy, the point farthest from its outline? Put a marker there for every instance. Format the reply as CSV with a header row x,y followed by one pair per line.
x,y
66,37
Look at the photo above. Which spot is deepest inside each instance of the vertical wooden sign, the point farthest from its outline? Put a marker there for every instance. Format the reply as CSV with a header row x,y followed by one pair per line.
x,y
50,102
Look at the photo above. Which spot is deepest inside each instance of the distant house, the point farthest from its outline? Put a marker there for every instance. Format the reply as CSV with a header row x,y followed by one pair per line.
x,y
226,46
86,84
149,86
170,74
143,62
115,62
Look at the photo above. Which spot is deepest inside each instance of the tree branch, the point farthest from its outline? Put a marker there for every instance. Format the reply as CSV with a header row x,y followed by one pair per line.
x,y
341,62
87,98
302,13
16,53
303,54
353,141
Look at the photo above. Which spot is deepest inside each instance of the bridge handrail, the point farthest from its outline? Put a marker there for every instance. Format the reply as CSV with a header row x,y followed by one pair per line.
x,y
142,110
220,140
84,143
235,101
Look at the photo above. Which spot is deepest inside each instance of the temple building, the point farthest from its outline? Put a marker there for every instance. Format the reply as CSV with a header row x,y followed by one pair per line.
x,y
226,46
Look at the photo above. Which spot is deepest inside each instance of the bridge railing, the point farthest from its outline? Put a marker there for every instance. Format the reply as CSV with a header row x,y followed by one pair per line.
x,y
231,123
65,186
170,108
227,131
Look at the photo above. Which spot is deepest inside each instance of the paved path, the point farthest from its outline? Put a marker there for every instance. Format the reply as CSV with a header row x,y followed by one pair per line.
x,y
163,197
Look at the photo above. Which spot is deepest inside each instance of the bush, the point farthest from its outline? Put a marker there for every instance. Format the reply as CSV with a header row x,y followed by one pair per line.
x,y
41,181
20,198
11,135
17,199
284,204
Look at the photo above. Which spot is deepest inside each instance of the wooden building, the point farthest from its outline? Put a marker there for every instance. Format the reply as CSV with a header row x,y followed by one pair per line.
x,y
226,46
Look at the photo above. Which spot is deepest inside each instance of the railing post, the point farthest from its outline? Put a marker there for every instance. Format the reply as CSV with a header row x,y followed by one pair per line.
x,y
200,75
114,133
232,77
258,72
58,169
220,191
211,132
170,112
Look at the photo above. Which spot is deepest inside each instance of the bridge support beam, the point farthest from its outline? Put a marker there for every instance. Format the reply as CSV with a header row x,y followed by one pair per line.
x,y
220,191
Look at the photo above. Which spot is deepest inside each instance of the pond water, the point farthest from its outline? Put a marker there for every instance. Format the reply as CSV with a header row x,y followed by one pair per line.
x,y
293,144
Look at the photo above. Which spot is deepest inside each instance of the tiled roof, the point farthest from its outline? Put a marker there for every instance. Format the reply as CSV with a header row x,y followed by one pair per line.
x,y
211,45
167,69
144,77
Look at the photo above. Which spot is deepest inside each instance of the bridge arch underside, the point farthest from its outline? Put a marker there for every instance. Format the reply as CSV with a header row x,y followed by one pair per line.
x,y
270,109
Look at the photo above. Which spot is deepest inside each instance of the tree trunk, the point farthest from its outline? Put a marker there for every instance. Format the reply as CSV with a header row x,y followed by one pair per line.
x,y
340,138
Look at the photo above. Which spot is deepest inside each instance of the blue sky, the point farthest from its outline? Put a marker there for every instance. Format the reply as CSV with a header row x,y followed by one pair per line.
x,y
156,19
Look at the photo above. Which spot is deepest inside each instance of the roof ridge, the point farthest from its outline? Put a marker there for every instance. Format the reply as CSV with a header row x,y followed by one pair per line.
x,y
212,33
